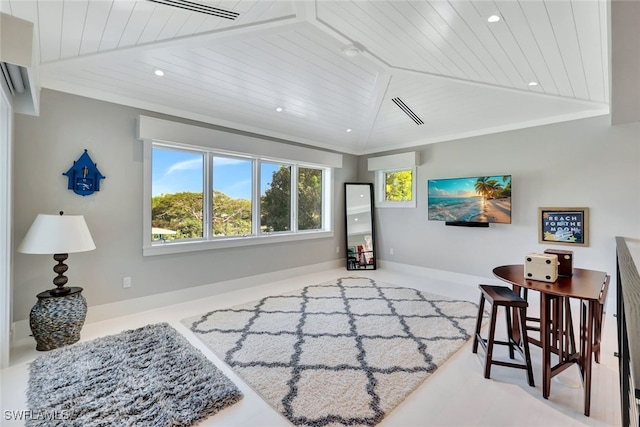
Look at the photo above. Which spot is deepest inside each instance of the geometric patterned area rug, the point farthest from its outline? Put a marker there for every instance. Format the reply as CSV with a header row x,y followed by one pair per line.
x,y
151,376
344,352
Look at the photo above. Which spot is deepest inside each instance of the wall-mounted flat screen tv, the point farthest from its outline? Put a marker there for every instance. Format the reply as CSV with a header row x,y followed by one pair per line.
x,y
480,199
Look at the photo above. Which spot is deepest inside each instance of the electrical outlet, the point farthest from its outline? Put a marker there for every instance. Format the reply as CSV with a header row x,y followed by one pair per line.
x,y
126,282
391,251
337,249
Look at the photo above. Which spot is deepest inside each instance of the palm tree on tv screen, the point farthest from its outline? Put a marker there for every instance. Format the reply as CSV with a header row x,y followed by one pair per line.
x,y
487,188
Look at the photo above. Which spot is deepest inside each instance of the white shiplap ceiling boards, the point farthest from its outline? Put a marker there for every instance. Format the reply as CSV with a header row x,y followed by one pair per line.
x,y
459,74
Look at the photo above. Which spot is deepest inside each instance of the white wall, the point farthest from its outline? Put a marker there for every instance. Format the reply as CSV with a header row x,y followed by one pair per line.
x,y
581,163
46,146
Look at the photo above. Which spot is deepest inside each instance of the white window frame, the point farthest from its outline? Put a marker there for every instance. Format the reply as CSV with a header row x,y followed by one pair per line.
x,y
381,193
394,163
326,203
163,133
208,215
293,215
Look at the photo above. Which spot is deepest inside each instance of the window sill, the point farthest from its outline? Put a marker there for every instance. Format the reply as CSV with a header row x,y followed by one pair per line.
x,y
232,242
395,204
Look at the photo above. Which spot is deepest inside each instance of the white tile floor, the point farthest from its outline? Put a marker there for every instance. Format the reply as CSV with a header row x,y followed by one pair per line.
x,y
457,394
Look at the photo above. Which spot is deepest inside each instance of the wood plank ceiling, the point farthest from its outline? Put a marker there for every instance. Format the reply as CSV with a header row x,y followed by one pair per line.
x,y
442,60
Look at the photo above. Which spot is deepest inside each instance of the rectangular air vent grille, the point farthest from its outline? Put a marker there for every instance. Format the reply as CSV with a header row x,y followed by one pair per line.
x,y
407,111
199,7
14,76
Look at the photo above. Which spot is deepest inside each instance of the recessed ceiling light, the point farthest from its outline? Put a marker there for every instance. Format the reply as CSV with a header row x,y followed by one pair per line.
x,y
531,84
279,109
493,18
348,130
159,73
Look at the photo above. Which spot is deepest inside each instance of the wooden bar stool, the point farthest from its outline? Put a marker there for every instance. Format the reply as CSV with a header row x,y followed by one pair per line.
x,y
502,296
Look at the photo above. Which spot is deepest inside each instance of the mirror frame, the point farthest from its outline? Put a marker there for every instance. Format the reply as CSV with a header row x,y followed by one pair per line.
x,y
351,265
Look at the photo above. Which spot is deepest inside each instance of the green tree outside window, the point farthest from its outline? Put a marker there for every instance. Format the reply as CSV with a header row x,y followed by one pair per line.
x,y
180,212
398,186
275,203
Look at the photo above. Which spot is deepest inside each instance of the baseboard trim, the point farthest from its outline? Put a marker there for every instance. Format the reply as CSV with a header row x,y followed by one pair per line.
x,y
467,279
102,312
446,276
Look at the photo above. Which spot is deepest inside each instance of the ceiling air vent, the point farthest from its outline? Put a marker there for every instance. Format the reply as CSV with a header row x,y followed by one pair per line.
x,y
199,7
14,76
407,111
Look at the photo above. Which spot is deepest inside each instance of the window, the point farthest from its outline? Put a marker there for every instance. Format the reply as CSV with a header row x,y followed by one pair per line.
x,y
291,198
178,198
177,201
309,198
395,179
205,188
275,197
396,188
232,201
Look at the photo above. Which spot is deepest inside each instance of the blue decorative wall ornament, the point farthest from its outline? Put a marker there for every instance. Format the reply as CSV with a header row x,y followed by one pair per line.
x,y
84,176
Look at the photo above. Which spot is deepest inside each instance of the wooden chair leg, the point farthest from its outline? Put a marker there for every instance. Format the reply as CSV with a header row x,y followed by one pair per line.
x,y
492,332
509,331
476,337
525,344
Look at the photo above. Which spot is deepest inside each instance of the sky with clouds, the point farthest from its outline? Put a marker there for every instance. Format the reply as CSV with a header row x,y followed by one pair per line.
x,y
174,171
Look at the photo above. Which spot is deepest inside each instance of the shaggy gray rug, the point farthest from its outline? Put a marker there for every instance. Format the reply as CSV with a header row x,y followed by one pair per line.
x,y
340,353
149,376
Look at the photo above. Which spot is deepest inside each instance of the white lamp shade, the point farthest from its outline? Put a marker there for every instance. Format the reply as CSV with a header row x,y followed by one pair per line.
x,y
57,234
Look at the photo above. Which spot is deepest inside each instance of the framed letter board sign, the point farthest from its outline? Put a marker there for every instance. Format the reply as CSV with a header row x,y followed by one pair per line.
x,y
564,226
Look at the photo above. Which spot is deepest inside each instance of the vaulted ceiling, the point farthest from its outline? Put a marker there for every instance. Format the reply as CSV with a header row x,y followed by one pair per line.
x,y
353,76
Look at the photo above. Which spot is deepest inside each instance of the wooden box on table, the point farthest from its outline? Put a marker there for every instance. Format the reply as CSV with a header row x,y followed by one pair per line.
x,y
542,267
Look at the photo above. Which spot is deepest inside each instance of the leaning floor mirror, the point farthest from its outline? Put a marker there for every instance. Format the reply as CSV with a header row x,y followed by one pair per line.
x,y
358,202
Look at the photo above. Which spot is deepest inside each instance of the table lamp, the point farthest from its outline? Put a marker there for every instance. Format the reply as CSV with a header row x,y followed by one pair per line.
x,y
58,235
59,314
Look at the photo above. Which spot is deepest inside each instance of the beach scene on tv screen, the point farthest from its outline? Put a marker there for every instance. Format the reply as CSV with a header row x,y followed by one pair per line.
x,y
473,199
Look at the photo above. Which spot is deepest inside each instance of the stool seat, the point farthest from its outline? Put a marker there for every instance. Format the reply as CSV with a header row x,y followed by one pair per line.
x,y
502,296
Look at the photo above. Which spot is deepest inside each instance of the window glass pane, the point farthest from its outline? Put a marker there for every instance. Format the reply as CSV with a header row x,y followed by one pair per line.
x,y
275,197
309,199
231,196
176,189
398,186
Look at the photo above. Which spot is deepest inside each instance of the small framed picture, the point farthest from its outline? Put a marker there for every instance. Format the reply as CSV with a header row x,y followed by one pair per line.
x,y
563,226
